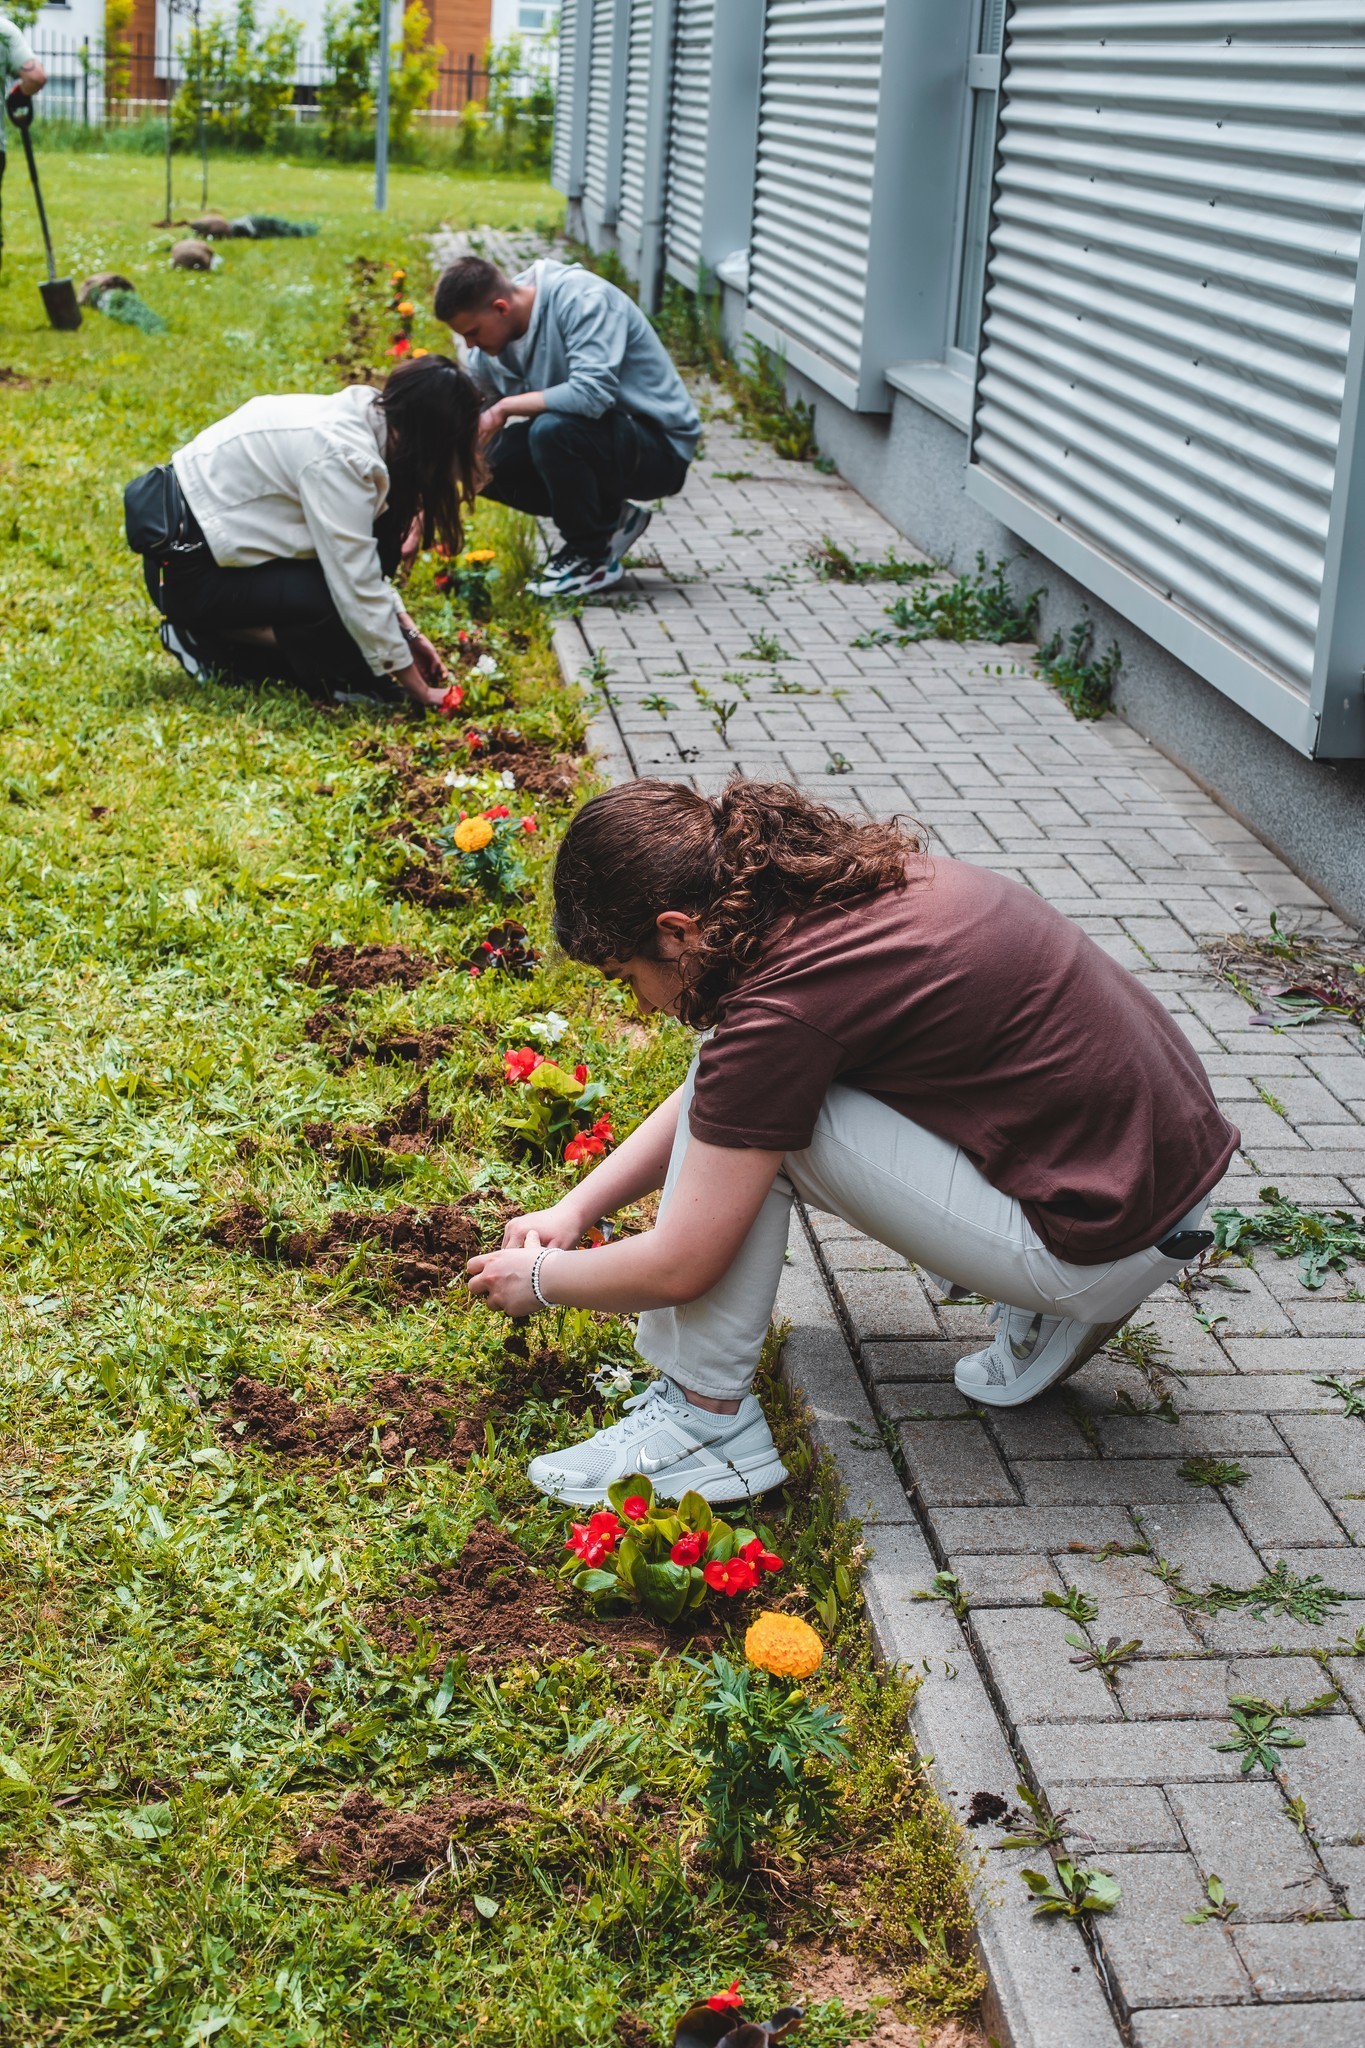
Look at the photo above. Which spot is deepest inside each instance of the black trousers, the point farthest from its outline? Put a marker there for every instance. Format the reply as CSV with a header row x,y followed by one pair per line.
x,y
580,472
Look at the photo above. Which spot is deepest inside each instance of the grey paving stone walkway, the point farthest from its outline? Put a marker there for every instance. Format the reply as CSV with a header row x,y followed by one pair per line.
x,y
1082,1489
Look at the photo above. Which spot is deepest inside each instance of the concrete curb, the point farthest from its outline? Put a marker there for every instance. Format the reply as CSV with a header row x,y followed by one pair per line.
x,y
1043,1988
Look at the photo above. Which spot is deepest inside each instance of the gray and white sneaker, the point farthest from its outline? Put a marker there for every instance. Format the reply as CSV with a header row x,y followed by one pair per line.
x,y
569,574
181,646
1031,1352
676,1445
631,525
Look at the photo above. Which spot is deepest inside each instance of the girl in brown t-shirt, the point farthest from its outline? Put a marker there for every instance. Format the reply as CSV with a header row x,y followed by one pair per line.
x,y
923,1047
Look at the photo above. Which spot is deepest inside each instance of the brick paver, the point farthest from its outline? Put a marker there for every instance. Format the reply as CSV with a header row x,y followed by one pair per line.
x,y
1083,1488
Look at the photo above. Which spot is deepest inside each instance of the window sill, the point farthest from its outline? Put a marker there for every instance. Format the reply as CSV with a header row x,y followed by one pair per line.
x,y
940,387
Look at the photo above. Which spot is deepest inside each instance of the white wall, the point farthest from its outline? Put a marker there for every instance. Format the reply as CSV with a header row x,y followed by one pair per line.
x,y
535,20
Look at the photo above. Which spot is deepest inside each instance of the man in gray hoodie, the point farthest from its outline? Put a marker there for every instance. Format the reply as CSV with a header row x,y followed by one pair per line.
x,y
585,414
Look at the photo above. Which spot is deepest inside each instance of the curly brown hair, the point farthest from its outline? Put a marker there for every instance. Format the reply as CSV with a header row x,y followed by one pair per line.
x,y
739,863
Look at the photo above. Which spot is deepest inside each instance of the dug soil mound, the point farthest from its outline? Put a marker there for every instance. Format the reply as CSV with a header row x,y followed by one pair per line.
x,y
366,1842
352,967
416,1253
494,1607
410,1128
335,1032
398,1418
538,769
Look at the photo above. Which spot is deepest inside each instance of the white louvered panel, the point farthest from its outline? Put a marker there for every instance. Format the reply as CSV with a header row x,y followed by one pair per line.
x,y
635,136
601,57
808,256
1176,240
561,154
688,125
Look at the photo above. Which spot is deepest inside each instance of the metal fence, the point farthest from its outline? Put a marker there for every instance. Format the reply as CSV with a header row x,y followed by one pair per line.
x,y
84,80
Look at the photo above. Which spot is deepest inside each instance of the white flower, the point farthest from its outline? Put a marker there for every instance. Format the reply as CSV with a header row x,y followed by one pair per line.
x,y
549,1029
454,781
508,779
487,665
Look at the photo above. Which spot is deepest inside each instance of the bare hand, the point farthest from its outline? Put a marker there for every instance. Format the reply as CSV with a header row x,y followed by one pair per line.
x,y
503,1279
424,693
491,421
427,660
560,1226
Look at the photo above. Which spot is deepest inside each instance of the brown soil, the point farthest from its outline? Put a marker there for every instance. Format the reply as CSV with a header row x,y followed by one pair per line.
x,y
418,1418
365,1841
631,2032
504,949
986,1809
548,1372
410,1128
418,1254
538,771
334,1030
861,1986
430,887
352,967
494,1606
14,380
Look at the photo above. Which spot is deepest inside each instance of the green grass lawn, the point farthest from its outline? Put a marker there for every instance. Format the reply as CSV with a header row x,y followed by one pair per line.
x,y
201,1658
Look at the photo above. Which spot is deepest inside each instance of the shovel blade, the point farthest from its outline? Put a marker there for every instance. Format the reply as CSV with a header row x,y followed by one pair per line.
x,y
60,303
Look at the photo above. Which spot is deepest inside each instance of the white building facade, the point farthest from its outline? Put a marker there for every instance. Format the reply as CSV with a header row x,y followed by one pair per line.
x,y
1076,282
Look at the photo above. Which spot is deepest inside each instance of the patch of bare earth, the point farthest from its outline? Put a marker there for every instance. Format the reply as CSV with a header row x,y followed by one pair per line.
x,y
410,1128
863,1989
352,967
415,1253
398,1418
366,1842
336,1034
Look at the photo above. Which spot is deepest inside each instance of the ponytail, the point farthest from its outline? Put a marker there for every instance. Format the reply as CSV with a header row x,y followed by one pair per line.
x,y
738,863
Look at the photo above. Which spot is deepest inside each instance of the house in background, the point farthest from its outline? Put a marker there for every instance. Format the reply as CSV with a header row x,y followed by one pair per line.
x,y
1078,286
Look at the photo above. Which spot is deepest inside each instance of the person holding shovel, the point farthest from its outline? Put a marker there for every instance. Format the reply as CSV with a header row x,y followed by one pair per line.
x,y
921,1047
20,65
584,411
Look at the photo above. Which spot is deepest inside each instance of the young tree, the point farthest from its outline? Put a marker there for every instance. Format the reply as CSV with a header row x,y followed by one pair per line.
x,y
350,48
242,75
118,51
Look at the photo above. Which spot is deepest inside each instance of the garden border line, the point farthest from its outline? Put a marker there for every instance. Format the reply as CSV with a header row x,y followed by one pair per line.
x,y
606,741
1031,2000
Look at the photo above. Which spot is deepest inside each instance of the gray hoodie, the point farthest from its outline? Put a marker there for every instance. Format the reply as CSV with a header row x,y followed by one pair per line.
x,y
589,348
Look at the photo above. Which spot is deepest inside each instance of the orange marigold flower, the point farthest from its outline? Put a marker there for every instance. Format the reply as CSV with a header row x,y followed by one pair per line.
x,y
784,1645
473,834
405,309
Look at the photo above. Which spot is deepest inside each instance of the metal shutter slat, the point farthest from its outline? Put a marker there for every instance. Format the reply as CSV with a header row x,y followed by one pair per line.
x,y
1175,250
561,151
635,135
601,57
689,124
808,254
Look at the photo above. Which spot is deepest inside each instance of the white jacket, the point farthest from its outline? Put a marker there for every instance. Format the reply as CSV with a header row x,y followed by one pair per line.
x,y
297,477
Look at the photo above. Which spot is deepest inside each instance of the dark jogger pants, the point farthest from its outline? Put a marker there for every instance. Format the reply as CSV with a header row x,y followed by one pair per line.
x,y
580,472
313,647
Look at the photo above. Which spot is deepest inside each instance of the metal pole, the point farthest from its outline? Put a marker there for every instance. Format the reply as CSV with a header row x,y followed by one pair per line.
x,y
203,124
381,115
170,98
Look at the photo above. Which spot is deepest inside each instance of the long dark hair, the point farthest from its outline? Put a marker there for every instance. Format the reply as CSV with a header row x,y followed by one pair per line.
x,y
432,410
738,862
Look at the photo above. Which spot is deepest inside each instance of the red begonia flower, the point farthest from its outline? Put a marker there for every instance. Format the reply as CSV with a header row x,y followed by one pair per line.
x,y
635,1507
602,1129
727,2000
452,700
735,1575
763,1559
605,1527
517,1065
529,825
580,1073
584,1147
690,1549
498,811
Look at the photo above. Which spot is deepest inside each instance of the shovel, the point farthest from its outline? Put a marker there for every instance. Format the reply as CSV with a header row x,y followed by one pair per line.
x,y
58,294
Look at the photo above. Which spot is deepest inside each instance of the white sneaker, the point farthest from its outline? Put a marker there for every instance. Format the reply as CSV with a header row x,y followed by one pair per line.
x,y
1031,1353
676,1445
174,644
632,523
569,574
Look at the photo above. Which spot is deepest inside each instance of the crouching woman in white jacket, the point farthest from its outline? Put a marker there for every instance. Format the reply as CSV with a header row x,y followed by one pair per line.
x,y
289,518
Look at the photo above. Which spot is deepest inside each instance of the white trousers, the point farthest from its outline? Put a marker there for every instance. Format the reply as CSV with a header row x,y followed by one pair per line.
x,y
909,1190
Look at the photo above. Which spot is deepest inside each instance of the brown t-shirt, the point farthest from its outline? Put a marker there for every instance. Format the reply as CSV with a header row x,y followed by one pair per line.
x,y
978,1011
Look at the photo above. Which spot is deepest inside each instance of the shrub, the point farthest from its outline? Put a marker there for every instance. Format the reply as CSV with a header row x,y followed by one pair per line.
x,y
238,77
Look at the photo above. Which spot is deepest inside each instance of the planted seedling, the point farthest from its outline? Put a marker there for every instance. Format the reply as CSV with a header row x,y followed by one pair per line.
x,y
1106,1657
1074,1602
1204,1471
1217,1905
1072,1889
1351,1392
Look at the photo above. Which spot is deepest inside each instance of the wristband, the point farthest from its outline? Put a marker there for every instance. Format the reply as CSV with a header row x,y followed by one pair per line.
x,y
536,1264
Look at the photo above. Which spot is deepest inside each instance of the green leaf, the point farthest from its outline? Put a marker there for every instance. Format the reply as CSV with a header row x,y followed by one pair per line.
x,y
15,1782
662,1589
486,1906
596,1582
695,1513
